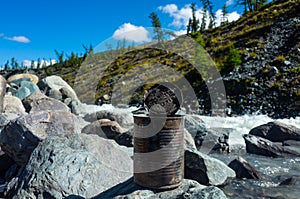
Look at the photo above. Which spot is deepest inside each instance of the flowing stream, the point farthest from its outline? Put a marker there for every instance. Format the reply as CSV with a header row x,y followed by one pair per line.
x,y
276,170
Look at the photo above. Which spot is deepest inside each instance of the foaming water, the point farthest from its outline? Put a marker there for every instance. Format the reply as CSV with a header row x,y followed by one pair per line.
x,y
245,123
276,170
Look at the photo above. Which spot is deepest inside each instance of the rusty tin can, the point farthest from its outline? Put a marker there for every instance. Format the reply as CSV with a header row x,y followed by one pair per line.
x,y
158,151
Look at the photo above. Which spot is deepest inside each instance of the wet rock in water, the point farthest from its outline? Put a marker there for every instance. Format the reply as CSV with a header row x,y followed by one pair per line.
x,y
204,169
277,132
188,189
19,137
123,116
261,146
2,92
243,169
104,128
39,102
56,83
163,98
83,165
291,143
288,182
125,139
31,77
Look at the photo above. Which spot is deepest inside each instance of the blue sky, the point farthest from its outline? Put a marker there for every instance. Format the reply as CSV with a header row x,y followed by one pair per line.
x,y
33,29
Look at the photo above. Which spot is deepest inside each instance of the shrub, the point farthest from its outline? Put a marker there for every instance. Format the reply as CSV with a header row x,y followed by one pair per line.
x,y
280,58
233,59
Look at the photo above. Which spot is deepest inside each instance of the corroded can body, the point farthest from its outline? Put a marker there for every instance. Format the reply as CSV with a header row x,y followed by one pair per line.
x,y
158,151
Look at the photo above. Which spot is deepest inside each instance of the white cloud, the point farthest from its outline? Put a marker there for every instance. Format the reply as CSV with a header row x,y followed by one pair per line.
x,y
27,63
131,32
181,16
21,39
229,2
169,8
180,32
233,16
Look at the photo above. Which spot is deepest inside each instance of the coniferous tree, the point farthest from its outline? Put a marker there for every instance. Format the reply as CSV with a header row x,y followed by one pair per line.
x,y
158,33
189,26
203,22
212,17
6,65
13,62
38,65
195,21
32,64
224,19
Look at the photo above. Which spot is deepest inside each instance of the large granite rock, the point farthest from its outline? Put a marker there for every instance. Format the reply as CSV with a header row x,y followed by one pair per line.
x,y
277,132
244,170
13,105
25,89
83,165
2,91
123,116
56,83
19,138
31,77
261,146
204,169
188,189
104,128
39,102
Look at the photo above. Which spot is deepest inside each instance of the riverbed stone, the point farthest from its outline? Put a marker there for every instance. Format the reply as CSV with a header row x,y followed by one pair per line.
x,y
123,116
78,164
204,169
243,169
56,83
20,137
188,189
277,132
260,146
39,102
104,128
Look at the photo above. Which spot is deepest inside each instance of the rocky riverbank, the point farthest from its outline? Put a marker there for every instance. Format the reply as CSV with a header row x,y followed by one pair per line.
x,y
54,146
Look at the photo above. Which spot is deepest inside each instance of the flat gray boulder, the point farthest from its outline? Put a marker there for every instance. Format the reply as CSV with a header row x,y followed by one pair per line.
x,y
39,102
188,189
20,137
60,166
204,169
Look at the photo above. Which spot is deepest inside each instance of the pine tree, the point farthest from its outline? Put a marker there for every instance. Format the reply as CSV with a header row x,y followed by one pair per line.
x,y
189,26
32,64
224,19
6,65
158,33
212,17
203,22
195,21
